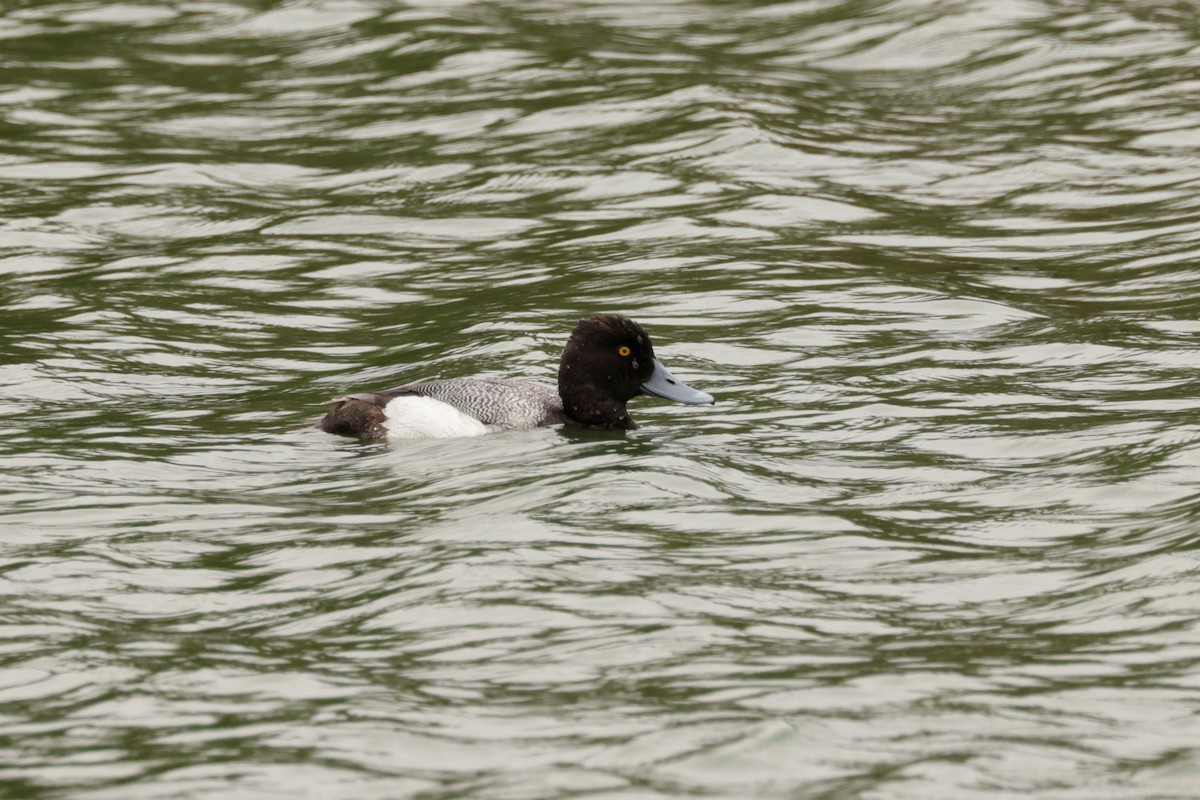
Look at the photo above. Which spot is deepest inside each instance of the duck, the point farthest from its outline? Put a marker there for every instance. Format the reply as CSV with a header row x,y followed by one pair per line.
x,y
607,361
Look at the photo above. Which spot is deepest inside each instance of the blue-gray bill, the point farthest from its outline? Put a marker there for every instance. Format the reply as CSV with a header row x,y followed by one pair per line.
x,y
664,384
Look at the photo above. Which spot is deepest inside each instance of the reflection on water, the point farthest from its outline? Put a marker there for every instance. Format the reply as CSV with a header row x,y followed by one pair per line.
x,y
936,539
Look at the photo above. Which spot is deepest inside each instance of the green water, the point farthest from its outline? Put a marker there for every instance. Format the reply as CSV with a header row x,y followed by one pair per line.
x,y
936,261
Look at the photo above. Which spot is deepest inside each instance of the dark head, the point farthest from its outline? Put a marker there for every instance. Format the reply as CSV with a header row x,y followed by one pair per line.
x,y
608,361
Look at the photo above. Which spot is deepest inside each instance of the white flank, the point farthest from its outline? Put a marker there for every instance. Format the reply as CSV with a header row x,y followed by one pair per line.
x,y
411,417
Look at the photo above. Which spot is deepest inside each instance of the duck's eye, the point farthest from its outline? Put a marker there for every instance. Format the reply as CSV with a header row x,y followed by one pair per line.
x,y
623,351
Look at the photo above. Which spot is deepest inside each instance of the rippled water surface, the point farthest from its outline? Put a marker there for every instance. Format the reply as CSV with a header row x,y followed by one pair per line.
x,y
936,261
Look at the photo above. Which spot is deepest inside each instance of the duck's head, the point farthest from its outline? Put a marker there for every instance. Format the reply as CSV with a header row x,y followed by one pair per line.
x,y
609,360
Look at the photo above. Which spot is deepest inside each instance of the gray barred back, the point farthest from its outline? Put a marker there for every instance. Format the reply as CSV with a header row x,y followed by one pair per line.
x,y
511,404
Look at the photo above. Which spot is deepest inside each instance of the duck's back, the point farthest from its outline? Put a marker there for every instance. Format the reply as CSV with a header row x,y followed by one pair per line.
x,y
454,407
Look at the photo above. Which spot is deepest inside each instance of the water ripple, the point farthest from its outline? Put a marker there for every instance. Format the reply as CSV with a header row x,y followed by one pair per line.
x,y
936,538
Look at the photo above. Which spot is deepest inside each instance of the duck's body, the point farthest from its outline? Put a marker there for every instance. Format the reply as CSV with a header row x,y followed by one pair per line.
x,y
607,361
442,409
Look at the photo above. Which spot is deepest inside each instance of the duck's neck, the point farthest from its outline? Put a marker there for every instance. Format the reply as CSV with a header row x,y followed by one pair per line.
x,y
589,402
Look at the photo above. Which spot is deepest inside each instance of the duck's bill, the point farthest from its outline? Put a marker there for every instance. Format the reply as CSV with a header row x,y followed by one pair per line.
x,y
664,384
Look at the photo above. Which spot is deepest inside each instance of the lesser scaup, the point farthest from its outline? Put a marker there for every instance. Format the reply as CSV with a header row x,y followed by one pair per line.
x,y
607,361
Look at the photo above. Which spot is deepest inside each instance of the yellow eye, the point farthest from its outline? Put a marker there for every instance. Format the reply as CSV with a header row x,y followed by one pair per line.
x,y
623,351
